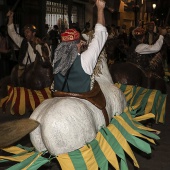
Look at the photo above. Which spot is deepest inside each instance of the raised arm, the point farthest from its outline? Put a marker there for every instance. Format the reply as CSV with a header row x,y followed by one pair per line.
x,y
149,49
11,30
10,16
100,12
90,56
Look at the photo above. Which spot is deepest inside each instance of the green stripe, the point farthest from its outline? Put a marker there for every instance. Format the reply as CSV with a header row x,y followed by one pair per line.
x,y
144,132
99,156
24,163
137,142
137,94
144,100
140,110
114,144
34,166
128,100
156,101
27,149
123,87
163,99
77,160
134,89
157,115
38,163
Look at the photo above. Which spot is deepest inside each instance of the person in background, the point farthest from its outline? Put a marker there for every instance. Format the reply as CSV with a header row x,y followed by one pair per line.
x,y
111,33
54,37
76,26
46,38
123,43
150,35
72,66
86,28
28,44
147,57
130,36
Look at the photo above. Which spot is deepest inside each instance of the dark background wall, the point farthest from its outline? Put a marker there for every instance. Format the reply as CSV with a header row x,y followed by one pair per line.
x,y
27,12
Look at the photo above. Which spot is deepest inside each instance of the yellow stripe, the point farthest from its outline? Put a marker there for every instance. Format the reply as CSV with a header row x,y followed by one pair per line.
x,y
10,96
48,92
31,99
3,100
146,128
12,91
22,104
117,85
150,102
107,151
128,93
123,142
39,95
130,130
13,100
17,158
89,158
161,119
139,99
157,115
14,150
138,125
65,162
144,117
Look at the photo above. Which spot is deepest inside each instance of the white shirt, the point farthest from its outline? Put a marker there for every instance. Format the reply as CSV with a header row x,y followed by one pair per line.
x,y
90,56
18,40
149,49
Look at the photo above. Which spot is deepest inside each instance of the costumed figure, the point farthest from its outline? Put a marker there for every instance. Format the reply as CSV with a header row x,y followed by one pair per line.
x,y
29,46
145,56
73,66
151,34
82,128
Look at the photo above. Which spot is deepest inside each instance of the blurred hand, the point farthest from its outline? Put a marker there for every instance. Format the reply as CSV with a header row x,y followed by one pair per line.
x,y
100,4
10,14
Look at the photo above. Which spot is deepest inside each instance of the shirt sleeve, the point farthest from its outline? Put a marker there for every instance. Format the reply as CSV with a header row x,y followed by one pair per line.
x,y
90,56
14,36
148,49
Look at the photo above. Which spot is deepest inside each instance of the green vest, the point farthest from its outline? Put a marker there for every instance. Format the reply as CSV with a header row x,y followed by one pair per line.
x,y
77,82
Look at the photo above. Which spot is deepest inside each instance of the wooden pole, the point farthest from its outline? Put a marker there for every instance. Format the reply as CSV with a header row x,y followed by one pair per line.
x,y
15,5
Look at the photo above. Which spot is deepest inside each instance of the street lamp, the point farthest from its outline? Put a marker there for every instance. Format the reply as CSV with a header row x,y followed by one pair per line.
x,y
154,6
